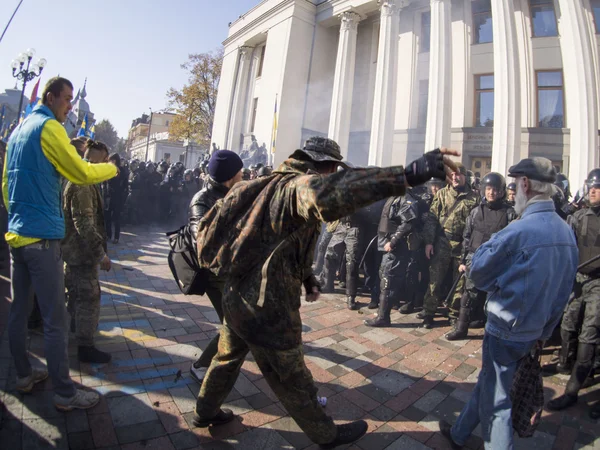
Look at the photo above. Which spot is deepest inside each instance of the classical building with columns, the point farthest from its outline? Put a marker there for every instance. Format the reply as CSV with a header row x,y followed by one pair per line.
x,y
499,80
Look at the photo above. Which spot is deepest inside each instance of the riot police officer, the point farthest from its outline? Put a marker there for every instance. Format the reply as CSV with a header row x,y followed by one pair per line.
x,y
580,328
511,192
399,218
489,217
346,239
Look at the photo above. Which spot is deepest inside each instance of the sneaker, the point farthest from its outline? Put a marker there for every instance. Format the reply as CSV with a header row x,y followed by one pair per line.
x,y
445,429
92,355
222,417
81,400
348,433
25,385
198,373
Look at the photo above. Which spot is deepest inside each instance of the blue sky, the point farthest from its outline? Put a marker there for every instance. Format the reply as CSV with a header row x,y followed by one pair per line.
x,y
130,50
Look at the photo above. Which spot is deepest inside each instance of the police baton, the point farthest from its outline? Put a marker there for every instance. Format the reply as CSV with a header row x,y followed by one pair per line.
x,y
588,262
366,251
453,289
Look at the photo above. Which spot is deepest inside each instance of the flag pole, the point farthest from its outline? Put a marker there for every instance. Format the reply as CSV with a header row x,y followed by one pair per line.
x,y
273,135
10,20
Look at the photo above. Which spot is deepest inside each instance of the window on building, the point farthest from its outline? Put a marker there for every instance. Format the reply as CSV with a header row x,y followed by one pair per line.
x,y
484,100
482,21
425,31
543,18
167,157
253,118
596,11
423,98
167,123
550,99
261,61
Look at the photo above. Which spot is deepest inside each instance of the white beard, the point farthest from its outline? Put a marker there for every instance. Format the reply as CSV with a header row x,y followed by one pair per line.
x,y
520,201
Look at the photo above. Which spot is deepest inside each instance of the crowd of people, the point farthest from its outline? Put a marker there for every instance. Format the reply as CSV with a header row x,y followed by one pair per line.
x,y
428,238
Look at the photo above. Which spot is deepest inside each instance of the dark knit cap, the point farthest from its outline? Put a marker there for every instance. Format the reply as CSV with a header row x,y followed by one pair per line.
x,y
224,165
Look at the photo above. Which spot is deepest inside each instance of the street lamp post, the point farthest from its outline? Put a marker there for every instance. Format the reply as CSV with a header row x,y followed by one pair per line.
x,y
25,74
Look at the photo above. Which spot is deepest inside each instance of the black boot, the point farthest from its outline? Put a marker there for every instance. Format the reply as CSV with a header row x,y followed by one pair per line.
x,y
568,352
328,276
461,329
222,417
348,433
92,355
383,314
374,300
581,370
427,322
351,302
407,308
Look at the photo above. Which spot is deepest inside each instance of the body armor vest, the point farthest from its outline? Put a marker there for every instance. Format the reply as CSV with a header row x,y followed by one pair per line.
x,y
396,211
485,223
588,242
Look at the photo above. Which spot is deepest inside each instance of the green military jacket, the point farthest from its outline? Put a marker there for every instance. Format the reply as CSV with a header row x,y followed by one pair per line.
x,y
262,304
85,235
453,220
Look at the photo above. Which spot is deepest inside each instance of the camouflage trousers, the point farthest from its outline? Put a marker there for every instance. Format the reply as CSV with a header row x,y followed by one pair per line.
x,y
582,314
438,268
284,371
345,241
83,301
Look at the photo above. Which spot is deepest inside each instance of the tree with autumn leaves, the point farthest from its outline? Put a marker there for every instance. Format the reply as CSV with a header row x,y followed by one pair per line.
x,y
195,103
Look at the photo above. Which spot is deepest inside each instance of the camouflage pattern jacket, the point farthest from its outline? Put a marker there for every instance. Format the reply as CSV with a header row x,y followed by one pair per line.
x,y
261,298
451,219
85,236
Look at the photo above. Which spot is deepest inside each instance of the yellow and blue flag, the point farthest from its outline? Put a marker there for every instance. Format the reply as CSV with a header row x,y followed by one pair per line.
x,y
83,128
92,133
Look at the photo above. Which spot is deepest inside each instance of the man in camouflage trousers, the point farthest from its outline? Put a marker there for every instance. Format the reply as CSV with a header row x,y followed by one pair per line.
x,y
451,206
84,248
269,261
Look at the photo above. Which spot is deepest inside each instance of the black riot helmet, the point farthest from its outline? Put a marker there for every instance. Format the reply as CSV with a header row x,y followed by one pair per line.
x,y
593,179
142,166
511,187
562,182
495,180
263,172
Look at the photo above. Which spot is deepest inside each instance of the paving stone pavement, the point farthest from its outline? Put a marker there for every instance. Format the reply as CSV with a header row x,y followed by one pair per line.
x,y
401,379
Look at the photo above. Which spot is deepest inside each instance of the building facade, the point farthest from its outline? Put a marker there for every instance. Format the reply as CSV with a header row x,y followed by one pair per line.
x,y
499,80
150,142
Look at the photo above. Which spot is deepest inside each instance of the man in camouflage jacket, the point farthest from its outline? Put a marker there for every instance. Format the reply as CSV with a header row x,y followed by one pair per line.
x,y
84,249
452,205
261,301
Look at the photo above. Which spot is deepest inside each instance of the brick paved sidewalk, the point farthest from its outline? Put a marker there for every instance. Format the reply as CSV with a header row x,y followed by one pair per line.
x,y
401,379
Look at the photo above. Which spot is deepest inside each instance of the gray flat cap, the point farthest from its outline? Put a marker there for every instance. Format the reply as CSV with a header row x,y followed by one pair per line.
x,y
537,168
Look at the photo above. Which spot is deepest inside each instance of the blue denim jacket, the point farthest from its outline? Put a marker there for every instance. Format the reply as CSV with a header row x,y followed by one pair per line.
x,y
528,269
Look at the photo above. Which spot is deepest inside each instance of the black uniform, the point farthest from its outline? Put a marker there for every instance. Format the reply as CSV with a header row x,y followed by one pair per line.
x,y
400,216
483,221
199,206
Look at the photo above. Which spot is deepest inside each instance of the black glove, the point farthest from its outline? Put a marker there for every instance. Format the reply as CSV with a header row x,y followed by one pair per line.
x,y
430,165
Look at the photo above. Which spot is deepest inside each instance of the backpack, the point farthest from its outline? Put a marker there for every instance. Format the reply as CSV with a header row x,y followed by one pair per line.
x,y
232,239
183,262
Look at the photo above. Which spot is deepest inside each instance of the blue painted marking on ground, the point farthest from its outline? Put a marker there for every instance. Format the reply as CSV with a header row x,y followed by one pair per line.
x,y
140,388
107,326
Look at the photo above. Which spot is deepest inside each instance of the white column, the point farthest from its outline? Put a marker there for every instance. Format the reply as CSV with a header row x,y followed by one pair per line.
x,y
386,82
239,99
439,106
580,88
343,84
462,80
506,143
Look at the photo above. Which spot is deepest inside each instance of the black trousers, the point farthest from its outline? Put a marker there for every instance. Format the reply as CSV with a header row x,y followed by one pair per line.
x,y
112,217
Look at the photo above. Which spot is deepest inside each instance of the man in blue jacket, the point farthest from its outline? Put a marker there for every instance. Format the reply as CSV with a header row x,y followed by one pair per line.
x,y
39,153
528,276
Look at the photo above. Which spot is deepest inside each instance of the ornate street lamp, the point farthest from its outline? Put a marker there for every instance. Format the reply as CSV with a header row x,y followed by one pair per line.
x,y
26,74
